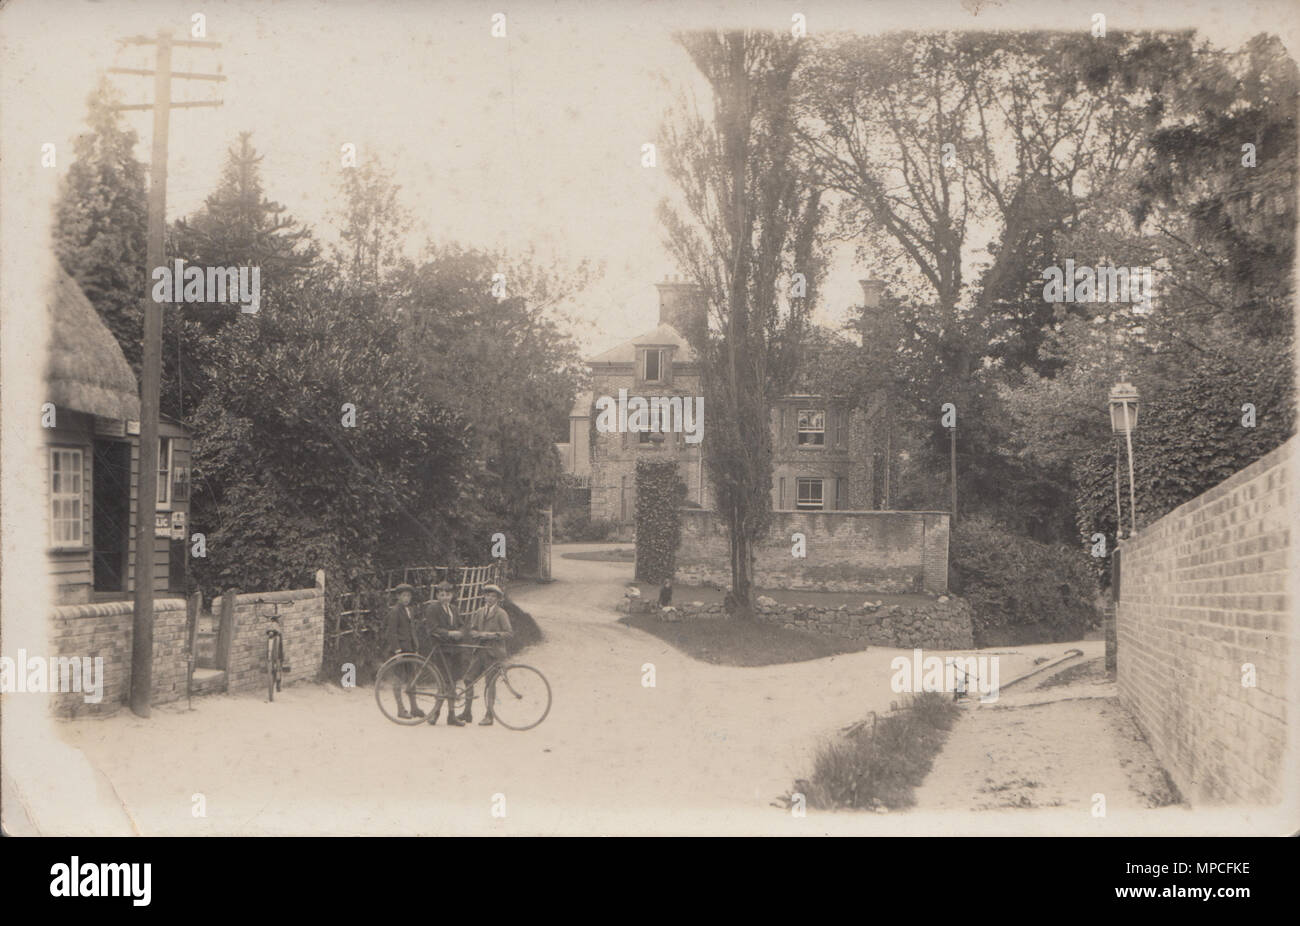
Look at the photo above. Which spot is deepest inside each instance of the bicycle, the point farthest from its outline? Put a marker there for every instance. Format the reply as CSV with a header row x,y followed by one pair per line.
x,y
276,666
521,694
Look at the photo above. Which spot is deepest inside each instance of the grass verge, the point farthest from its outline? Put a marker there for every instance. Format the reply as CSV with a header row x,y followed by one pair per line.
x,y
727,642
878,765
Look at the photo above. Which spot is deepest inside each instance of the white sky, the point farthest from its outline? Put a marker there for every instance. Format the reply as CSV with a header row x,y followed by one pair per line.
x,y
534,139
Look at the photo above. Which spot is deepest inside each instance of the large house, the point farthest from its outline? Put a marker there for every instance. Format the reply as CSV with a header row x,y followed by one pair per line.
x,y
822,447
91,457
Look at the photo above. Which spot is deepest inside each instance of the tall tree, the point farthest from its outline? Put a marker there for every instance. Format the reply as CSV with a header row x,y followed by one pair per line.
x,y
237,226
747,224
505,365
101,220
372,224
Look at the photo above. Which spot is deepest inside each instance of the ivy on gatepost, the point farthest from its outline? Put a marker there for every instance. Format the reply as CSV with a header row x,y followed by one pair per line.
x,y
659,492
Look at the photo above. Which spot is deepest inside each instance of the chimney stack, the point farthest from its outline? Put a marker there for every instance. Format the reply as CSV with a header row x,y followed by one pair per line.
x,y
872,290
681,304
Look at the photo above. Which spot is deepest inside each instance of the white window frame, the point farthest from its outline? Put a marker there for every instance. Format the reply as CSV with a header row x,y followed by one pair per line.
x,y
164,484
645,365
799,484
78,497
800,430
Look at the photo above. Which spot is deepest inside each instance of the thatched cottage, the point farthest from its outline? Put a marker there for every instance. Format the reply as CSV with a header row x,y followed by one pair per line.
x,y
91,460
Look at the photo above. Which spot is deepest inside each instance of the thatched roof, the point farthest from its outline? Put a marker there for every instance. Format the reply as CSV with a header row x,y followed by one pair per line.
x,y
87,371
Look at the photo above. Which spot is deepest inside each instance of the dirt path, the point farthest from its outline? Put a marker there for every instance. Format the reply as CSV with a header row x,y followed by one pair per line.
x,y
705,741
706,750
1059,741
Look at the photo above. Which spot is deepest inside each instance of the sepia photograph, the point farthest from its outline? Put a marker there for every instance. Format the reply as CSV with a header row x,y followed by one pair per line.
x,y
649,419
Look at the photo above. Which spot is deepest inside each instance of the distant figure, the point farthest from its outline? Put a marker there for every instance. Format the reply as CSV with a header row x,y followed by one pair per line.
x,y
666,593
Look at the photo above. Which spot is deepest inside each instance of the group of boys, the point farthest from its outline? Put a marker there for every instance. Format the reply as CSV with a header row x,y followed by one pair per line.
x,y
489,627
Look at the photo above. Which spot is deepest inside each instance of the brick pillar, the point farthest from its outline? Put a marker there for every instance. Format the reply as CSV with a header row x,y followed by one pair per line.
x,y
934,553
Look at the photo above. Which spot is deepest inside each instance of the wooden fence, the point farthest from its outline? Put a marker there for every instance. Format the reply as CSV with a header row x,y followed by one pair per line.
x,y
359,611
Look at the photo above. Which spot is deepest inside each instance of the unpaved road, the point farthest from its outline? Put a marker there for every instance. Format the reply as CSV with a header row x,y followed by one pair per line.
x,y
1061,739
706,750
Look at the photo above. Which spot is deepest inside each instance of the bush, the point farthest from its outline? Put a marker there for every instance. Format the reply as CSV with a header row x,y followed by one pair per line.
x,y
658,524
1021,591
526,631
577,526
880,764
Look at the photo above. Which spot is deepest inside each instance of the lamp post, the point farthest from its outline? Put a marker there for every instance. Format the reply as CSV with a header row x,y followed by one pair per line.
x,y
1123,419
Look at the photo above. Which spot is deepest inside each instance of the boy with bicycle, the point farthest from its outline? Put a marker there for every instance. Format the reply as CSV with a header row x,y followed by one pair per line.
x,y
491,625
403,635
448,626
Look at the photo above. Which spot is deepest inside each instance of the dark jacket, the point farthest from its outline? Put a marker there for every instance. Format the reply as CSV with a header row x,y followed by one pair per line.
x,y
440,620
403,631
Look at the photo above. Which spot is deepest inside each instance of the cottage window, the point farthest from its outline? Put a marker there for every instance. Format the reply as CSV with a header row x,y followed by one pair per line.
x,y
66,470
808,494
164,472
812,428
654,363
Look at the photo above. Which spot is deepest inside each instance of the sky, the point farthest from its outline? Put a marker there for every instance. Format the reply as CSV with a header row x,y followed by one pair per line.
x,y
531,140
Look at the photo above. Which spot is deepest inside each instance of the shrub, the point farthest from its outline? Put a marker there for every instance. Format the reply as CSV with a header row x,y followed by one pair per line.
x,y
658,524
1021,590
578,527
526,631
880,764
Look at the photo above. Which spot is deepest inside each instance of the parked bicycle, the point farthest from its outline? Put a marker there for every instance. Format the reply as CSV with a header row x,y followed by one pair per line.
x,y
520,694
276,665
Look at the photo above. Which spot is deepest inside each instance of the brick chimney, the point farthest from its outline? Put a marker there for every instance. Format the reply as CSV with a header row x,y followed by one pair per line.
x,y
680,304
872,290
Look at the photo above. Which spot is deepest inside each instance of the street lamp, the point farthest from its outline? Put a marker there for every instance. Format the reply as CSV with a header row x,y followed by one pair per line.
x,y
1123,419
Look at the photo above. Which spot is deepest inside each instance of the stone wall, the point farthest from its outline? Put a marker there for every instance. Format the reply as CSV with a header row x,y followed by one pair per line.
x,y
105,630
1203,596
302,620
867,551
945,623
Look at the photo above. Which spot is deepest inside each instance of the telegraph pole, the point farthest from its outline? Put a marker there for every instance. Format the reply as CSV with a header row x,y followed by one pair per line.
x,y
147,484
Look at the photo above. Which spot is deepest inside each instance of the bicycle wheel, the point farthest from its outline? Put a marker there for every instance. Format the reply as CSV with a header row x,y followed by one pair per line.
x,y
270,668
404,680
521,696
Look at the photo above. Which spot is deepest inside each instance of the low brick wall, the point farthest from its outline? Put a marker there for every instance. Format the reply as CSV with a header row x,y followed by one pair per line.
x,y
302,620
846,551
1204,591
105,630
944,624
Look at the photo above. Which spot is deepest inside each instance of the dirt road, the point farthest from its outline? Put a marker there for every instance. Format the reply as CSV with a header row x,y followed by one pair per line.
x,y
705,750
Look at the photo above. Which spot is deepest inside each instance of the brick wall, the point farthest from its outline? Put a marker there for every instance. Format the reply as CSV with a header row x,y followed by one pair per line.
x,y
302,619
1203,591
105,630
876,551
